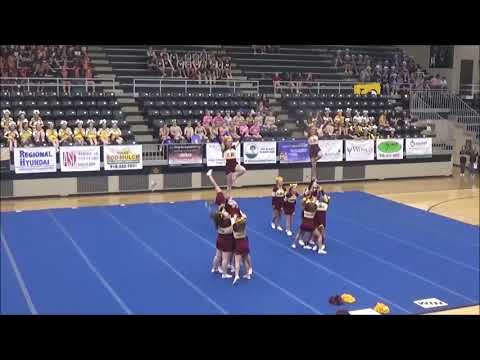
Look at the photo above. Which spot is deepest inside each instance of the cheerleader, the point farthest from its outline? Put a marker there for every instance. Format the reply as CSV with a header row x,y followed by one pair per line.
x,y
79,133
116,133
5,121
64,133
11,134
289,207
188,131
91,132
21,119
104,133
314,151
233,170
52,135
35,118
307,225
225,242
278,196
38,134
176,131
26,134
242,249
201,132
318,235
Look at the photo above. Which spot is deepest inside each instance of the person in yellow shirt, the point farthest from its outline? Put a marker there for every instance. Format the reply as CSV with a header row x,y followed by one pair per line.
x,y
116,133
21,119
52,135
38,134
91,132
26,134
64,133
6,119
104,133
35,118
79,133
11,134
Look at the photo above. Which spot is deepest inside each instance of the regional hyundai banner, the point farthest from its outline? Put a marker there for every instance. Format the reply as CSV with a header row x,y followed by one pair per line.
x,y
293,151
35,160
80,158
122,157
389,149
215,155
264,152
331,150
185,154
359,150
418,147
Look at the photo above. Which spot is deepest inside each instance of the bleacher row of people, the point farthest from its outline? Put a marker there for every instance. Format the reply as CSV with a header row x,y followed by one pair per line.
x,y
201,66
58,61
24,132
214,127
358,125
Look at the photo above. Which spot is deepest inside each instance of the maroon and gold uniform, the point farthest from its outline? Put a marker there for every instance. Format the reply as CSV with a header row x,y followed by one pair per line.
x,y
290,201
225,240
230,160
278,196
241,239
313,147
308,216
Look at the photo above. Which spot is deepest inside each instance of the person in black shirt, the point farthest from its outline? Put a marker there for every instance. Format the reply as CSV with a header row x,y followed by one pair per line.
x,y
463,160
473,160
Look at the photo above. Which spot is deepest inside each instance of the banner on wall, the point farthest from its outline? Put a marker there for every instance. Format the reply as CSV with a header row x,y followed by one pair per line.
x,y
4,154
35,160
389,149
332,150
264,152
79,158
122,157
359,150
215,155
418,147
366,88
184,154
293,151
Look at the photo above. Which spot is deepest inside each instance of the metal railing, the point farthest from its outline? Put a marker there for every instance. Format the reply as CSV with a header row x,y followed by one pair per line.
x,y
35,83
469,90
166,84
313,86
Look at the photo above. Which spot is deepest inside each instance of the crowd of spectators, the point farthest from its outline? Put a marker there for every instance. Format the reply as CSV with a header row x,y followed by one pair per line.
x,y
202,66
35,132
45,61
215,126
359,125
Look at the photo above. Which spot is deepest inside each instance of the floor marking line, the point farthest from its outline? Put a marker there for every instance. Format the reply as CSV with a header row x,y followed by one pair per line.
x,y
353,283
263,277
18,276
407,243
90,265
158,257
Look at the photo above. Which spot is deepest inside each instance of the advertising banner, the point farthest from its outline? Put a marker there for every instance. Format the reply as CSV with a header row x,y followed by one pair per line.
x,y
122,157
184,154
331,150
264,152
389,149
293,151
418,147
359,150
35,160
79,158
215,155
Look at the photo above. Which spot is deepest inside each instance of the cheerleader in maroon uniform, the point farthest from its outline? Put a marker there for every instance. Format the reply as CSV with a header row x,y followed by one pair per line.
x,y
233,169
278,195
225,242
242,250
318,235
308,221
314,151
289,207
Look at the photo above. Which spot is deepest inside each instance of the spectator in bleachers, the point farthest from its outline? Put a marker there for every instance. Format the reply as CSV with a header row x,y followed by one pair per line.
x,y
164,133
176,131
201,132
104,133
65,134
238,119
270,121
116,133
444,83
52,135
38,134
91,132
35,118
218,120
26,135
436,82
258,118
11,134
188,131
207,119
79,133
6,118
254,130
227,118
233,132
243,128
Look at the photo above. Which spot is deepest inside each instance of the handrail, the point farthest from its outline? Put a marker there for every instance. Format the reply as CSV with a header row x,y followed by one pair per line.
x,y
186,84
469,90
53,82
313,85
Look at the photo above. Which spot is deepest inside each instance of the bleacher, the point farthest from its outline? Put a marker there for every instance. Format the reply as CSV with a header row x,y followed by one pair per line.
x,y
61,106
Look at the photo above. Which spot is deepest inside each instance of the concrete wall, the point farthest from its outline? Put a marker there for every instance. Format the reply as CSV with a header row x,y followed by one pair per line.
x,y
128,183
421,53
